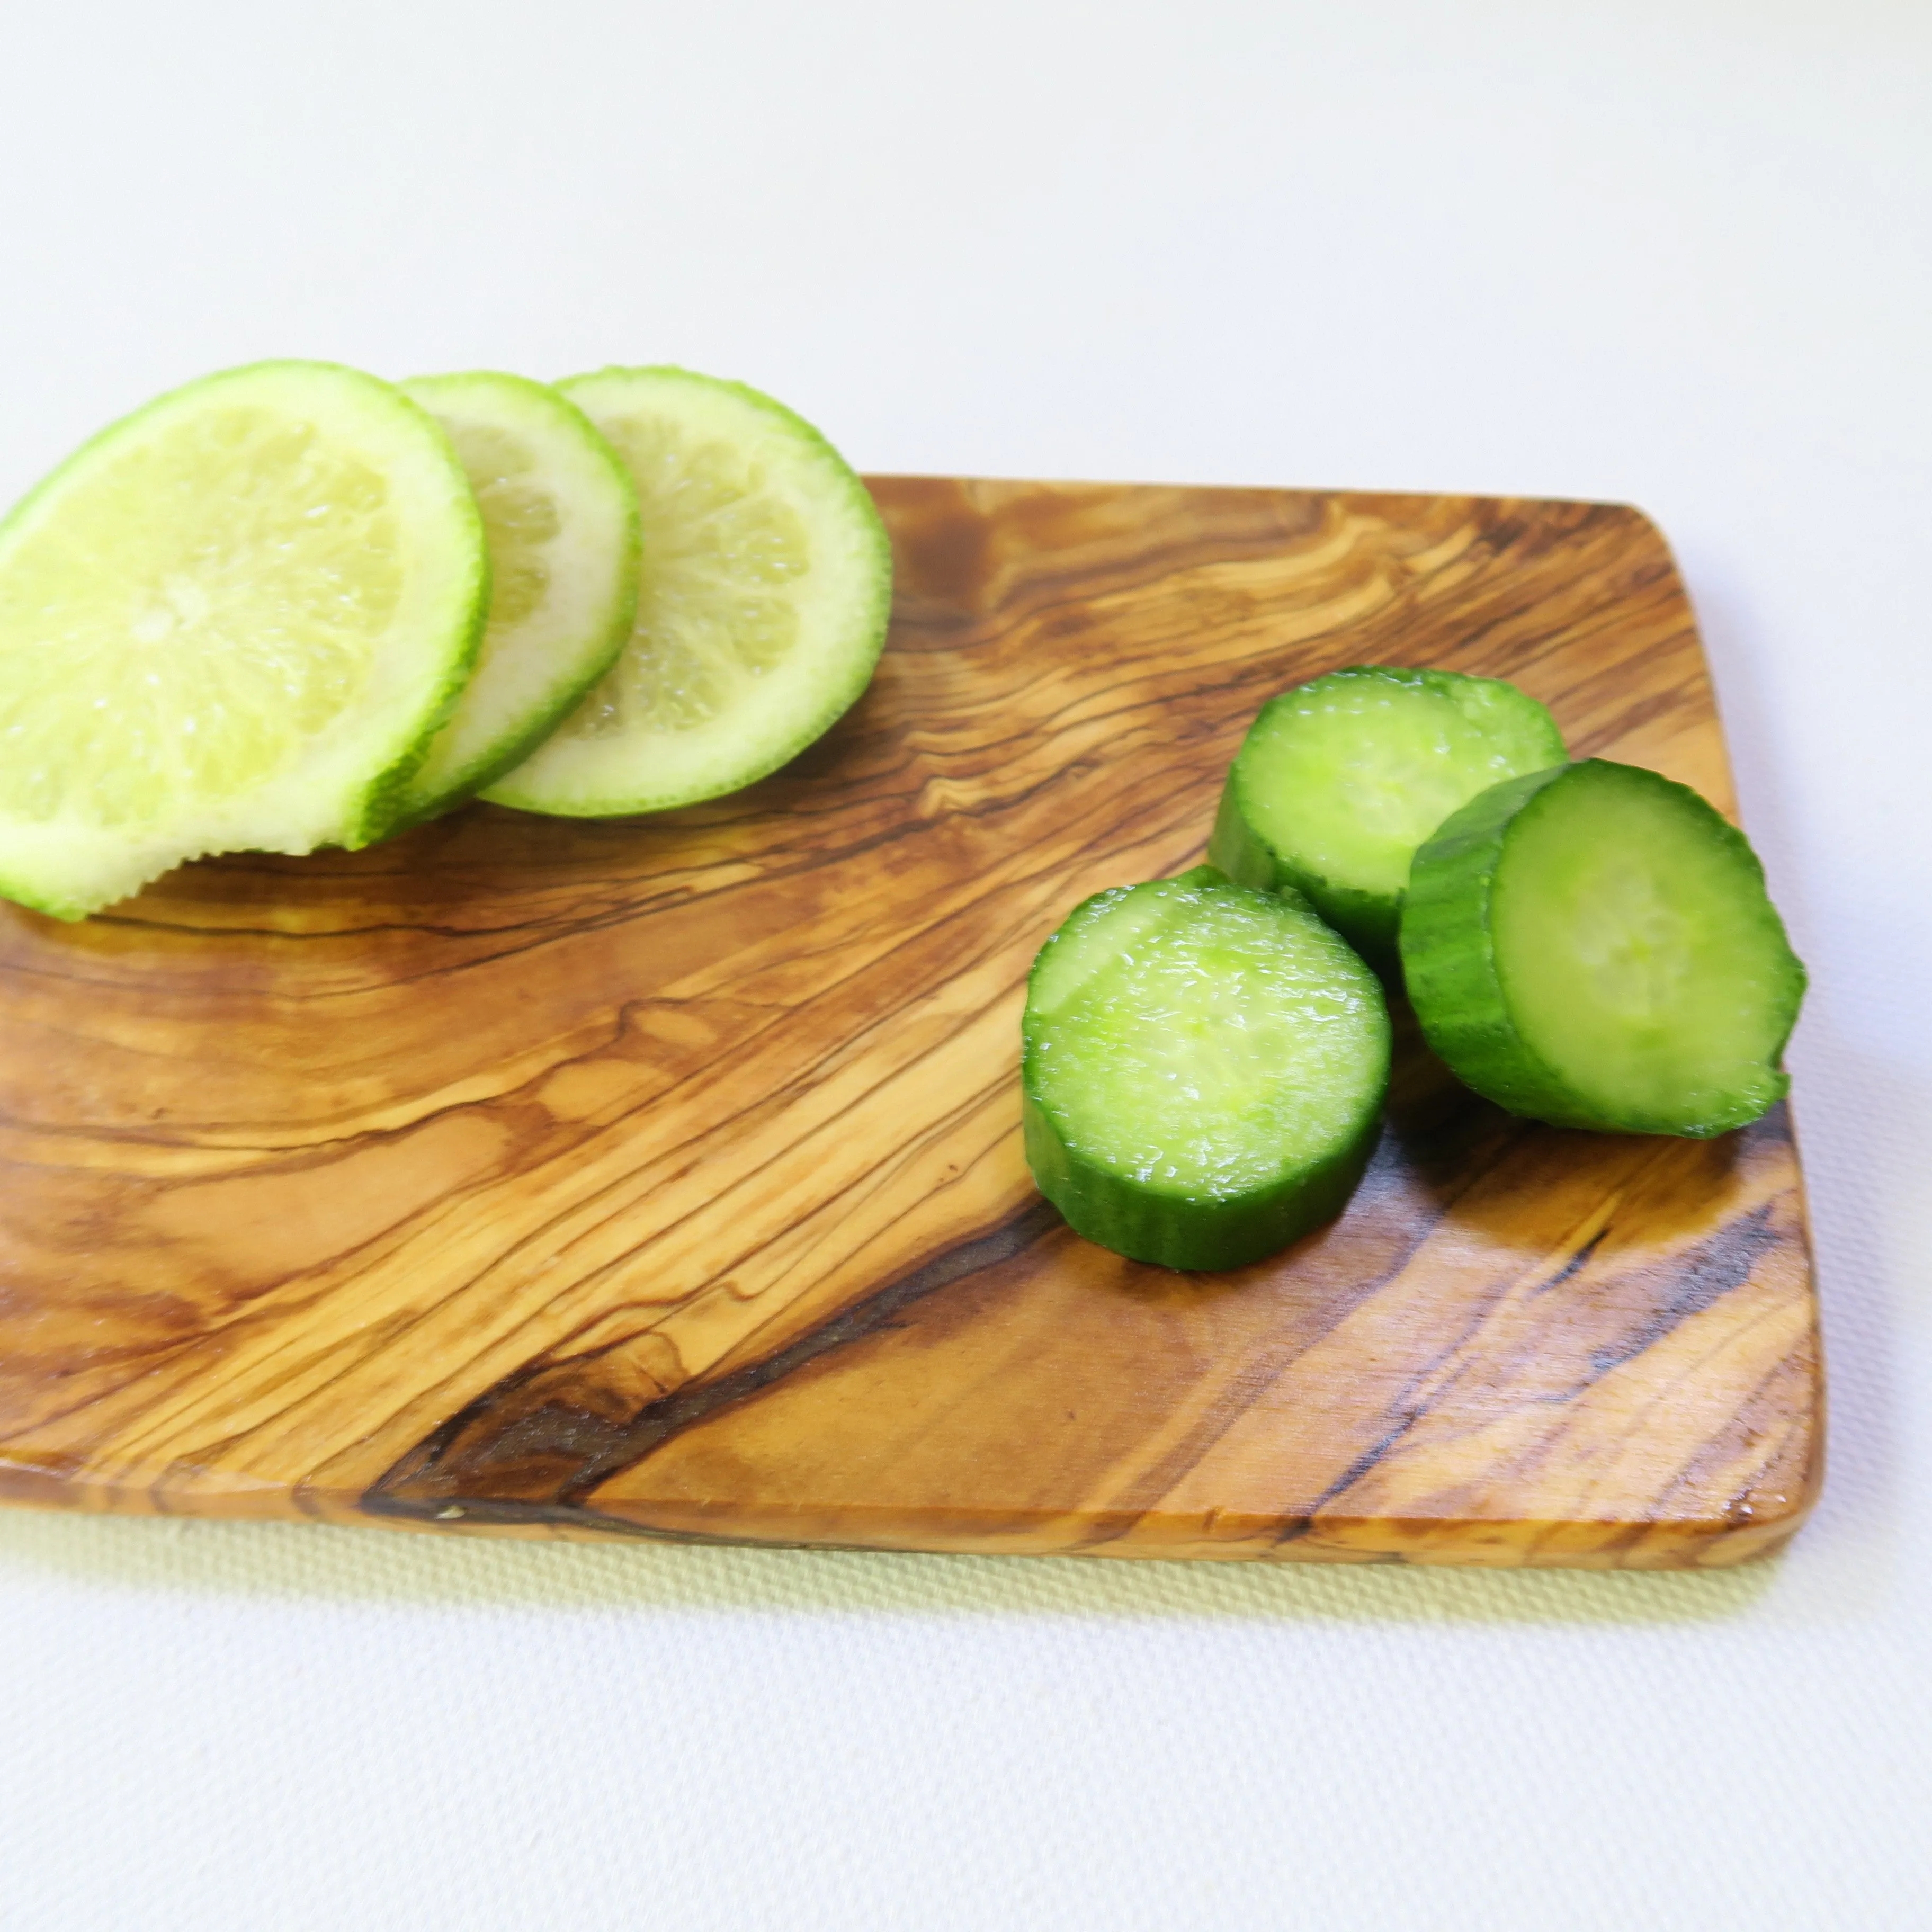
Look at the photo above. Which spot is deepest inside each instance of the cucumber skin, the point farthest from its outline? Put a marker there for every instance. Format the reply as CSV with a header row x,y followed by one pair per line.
x,y
1448,959
1174,1231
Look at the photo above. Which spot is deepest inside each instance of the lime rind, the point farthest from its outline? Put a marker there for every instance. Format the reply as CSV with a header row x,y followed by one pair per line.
x,y
562,519
806,577
331,777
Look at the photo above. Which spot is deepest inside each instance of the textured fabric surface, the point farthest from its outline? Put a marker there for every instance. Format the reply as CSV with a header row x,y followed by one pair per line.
x,y
1673,255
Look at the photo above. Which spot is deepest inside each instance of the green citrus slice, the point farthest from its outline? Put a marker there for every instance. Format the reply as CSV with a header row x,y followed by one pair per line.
x,y
561,519
761,609
231,621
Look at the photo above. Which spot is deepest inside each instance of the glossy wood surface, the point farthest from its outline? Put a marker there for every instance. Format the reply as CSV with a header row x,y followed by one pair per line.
x,y
663,1177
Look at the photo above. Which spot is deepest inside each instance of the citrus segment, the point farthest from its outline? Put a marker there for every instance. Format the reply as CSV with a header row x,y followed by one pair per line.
x,y
232,620
561,523
761,608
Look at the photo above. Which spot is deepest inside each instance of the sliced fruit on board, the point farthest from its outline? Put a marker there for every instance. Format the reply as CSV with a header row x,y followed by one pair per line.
x,y
761,611
1204,1066
234,619
1339,780
1594,947
562,520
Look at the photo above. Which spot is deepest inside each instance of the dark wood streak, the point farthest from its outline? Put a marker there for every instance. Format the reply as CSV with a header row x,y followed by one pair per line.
x,y
1409,1413
475,1455
1713,1268
662,1177
510,1444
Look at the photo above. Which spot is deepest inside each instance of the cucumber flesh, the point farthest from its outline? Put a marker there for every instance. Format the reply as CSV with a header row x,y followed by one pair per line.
x,y
1204,1068
1594,947
1339,780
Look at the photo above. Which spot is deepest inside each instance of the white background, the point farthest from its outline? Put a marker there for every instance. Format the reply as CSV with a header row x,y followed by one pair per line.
x,y
1676,254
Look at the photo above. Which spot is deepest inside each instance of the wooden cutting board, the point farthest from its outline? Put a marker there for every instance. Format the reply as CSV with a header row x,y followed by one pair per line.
x,y
664,1177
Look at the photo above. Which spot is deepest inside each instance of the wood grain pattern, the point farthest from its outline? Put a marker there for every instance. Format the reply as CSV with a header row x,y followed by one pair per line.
x,y
663,1177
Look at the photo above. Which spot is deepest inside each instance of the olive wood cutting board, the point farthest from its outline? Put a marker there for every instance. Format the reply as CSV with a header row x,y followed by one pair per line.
x,y
663,1177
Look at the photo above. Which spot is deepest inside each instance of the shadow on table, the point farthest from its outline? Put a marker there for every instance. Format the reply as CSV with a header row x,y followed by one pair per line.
x,y
291,1562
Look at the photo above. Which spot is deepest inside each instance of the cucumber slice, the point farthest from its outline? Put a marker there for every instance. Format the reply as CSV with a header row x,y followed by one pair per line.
x,y
562,520
1339,780
1594,947
766,587
1204,1066
232,620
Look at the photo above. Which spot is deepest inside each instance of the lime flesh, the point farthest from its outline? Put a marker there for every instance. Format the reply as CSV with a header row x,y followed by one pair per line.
x,y
233,619
562,521
761,608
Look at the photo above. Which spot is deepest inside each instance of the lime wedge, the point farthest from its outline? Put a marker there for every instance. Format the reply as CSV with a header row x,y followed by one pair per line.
x,y
761,609
232,620
561,519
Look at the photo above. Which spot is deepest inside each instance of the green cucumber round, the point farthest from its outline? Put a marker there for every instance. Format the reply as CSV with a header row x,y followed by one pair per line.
x,y
1594,947
1339,780
1203,1070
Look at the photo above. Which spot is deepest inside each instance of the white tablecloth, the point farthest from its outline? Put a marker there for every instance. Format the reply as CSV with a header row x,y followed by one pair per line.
x,y
1676,254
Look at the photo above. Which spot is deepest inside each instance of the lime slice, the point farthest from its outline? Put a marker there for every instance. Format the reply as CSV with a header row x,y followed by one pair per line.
x,y
563,523
761,611
232,620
